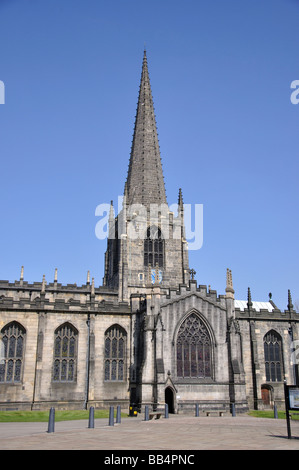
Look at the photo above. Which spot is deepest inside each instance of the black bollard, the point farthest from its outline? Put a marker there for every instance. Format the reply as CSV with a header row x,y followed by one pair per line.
x,y
275,412
233,410
166,410
197,410
146,413
118,417
91,417
111,416
51,424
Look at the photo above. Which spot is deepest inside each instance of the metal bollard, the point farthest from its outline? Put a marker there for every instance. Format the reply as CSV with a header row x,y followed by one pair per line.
x,y
91,417
146,413
118,417
111,416
275,412
197,410
233,409
51,424
166,410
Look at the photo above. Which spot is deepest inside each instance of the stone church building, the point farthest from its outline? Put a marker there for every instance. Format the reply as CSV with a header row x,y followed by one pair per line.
x,y
150,334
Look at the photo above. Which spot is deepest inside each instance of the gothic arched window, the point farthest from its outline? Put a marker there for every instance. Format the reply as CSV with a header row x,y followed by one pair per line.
x,y
154,248
65,353
194,351
115,353
273,356
12,353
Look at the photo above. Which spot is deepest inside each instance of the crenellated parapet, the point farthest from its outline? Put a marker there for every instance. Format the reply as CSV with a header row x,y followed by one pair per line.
x,y
201,291
22,295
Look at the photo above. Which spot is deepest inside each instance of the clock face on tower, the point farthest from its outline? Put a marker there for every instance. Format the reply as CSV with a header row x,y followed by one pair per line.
x,y
154,273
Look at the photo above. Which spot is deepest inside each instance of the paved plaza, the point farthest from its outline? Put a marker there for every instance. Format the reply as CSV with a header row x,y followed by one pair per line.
x,y
176,433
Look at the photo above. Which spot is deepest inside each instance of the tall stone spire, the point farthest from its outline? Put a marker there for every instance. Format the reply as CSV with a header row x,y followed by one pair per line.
x,y
145,183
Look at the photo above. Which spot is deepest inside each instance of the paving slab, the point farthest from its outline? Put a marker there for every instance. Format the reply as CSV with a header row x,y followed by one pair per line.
x,y
179,432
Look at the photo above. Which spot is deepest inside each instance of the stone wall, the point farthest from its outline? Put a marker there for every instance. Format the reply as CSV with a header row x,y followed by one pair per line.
x,y
37,389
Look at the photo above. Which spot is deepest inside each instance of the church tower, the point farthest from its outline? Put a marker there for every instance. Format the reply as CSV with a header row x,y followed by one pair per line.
x,y
146,243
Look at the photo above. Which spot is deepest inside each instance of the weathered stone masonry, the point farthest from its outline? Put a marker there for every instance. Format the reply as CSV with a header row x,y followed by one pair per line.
x,y
150,334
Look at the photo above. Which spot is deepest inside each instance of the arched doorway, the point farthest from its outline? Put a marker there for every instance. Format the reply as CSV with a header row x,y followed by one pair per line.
x,y
169,399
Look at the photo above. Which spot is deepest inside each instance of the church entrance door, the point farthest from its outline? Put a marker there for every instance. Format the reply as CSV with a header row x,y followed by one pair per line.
x,y
267,395
169,399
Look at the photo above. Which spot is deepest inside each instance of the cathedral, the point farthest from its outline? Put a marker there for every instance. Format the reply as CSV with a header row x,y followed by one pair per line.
x,y
149,335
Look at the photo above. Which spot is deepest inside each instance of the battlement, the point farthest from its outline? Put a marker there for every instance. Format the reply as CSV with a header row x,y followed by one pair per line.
x,y
265,314
21,295
201,291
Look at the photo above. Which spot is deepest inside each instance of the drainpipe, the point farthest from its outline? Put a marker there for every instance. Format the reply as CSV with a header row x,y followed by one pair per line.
x,y
87,362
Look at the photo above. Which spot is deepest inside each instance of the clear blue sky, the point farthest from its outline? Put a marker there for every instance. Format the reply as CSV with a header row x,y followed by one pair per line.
x,y
220,74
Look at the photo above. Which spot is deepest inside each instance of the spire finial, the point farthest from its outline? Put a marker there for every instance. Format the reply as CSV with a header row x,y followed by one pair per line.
x,y
111,222
229,285
249,301
290,303
44,284
180,199
88,278
55,275
111,211
22,276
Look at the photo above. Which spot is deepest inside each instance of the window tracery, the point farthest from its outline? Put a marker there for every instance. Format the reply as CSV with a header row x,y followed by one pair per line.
x,y
65,354
115,351
194,351
154,248
12,353
273,356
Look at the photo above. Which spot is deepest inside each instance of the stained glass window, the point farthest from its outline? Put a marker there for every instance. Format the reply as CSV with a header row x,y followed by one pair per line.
x,y
115,347
273,356
65,353
12,353
194,358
